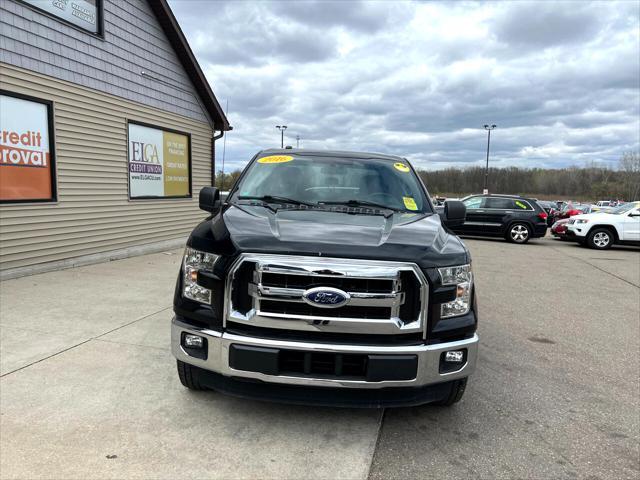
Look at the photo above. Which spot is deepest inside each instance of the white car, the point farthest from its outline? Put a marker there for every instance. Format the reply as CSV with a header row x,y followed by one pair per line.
x,y
603,229
601,206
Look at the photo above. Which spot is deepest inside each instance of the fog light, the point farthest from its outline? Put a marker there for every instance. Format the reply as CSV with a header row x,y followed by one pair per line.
x,y
193,341
454,356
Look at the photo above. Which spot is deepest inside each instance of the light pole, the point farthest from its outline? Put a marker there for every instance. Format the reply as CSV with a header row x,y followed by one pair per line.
x,y
488,128
282,129
297,141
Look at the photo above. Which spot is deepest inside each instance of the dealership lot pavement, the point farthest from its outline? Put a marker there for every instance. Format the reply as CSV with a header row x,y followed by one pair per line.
x,y
89,388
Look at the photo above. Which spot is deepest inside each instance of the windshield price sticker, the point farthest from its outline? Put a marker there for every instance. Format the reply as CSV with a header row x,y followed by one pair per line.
x,y
520,204
410,203
401,166
275,159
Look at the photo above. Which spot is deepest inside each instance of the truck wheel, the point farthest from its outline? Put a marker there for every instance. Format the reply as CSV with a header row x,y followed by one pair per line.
x,y
600,238
457,391
518,233
189,376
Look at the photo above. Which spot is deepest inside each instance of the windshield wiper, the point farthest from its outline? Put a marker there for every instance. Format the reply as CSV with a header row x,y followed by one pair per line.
x,y
359,203
275,199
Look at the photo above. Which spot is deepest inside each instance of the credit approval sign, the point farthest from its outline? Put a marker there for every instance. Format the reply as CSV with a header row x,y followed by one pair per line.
x,y
159,163
26,160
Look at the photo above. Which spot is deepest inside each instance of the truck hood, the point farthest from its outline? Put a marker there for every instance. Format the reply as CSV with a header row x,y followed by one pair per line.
x,y
410,237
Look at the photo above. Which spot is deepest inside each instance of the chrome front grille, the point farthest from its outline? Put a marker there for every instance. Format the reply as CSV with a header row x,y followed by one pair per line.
x,y
383,297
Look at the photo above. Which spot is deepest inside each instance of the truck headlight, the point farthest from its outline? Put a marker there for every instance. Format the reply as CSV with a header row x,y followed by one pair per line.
x,y
582,220
462,277
193,262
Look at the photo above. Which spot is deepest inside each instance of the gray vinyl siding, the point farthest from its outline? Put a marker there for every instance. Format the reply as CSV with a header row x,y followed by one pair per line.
x,y
133,42
93,213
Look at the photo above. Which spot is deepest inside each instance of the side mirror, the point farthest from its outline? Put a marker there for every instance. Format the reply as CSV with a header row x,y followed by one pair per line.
x,y
209,199
454,213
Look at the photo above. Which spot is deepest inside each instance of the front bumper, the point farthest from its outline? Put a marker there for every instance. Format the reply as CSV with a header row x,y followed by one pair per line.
x,y
575,233
219,346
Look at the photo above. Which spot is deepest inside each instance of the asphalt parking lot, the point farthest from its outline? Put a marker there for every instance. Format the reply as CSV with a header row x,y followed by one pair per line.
x,y
89,388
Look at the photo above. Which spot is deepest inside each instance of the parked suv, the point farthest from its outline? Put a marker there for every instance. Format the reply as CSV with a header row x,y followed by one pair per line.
x,y
327,278
515,218
602,229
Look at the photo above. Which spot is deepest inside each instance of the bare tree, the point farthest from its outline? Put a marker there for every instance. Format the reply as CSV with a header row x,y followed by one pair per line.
x,y
630,165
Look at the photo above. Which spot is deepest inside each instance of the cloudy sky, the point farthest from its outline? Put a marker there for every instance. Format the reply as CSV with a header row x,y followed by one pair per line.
x,y
560,79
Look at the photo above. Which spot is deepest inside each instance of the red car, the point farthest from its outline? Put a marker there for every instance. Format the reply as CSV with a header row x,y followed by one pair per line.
x,y
570,210
559,228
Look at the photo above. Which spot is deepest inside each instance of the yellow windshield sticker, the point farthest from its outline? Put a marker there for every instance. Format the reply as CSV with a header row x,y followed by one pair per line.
x,y
401,166
520,204
409,203
275,159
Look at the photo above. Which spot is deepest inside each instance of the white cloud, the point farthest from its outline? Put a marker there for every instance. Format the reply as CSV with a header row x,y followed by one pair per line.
x,y
561,79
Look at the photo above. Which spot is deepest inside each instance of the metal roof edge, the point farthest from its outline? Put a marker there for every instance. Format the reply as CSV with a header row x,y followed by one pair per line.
x,y
172,30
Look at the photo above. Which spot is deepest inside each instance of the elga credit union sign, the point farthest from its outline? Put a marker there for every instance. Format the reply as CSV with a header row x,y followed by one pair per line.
x,y
26,160
159,163
81,13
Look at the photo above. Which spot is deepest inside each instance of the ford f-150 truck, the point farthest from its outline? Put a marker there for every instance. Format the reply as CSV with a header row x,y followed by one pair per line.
x,y
327,278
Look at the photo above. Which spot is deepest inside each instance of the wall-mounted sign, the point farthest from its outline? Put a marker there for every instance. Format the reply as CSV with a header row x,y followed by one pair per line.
x,y
26,150
81,13
159,162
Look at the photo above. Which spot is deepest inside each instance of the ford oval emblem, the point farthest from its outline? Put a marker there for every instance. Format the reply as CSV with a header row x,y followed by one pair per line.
x,y
325,297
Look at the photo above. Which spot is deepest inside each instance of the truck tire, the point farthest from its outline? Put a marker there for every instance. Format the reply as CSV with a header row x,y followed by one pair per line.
x,y
457,391
189,376
518,233
600,238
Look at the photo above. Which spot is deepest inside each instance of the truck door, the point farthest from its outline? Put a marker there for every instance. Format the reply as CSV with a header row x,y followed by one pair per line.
x,y
474,223
631,226
497,210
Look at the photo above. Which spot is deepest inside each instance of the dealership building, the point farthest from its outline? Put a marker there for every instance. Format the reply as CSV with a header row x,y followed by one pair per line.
x,y
107,132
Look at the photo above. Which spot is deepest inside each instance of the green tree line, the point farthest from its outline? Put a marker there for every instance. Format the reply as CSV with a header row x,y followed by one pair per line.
x,y
594,183
591,183
224,181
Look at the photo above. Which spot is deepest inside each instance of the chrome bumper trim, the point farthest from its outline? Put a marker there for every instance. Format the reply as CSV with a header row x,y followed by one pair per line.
x,y
218,358
279,294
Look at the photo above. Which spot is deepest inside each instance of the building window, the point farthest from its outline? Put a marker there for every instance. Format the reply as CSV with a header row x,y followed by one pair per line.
x,y
83,14
27,158
159,162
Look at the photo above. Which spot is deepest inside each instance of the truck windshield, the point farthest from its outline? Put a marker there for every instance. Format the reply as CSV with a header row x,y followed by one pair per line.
x,y
315,180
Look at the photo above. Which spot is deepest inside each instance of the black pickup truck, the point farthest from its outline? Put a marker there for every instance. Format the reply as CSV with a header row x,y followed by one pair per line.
x,y
327,278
